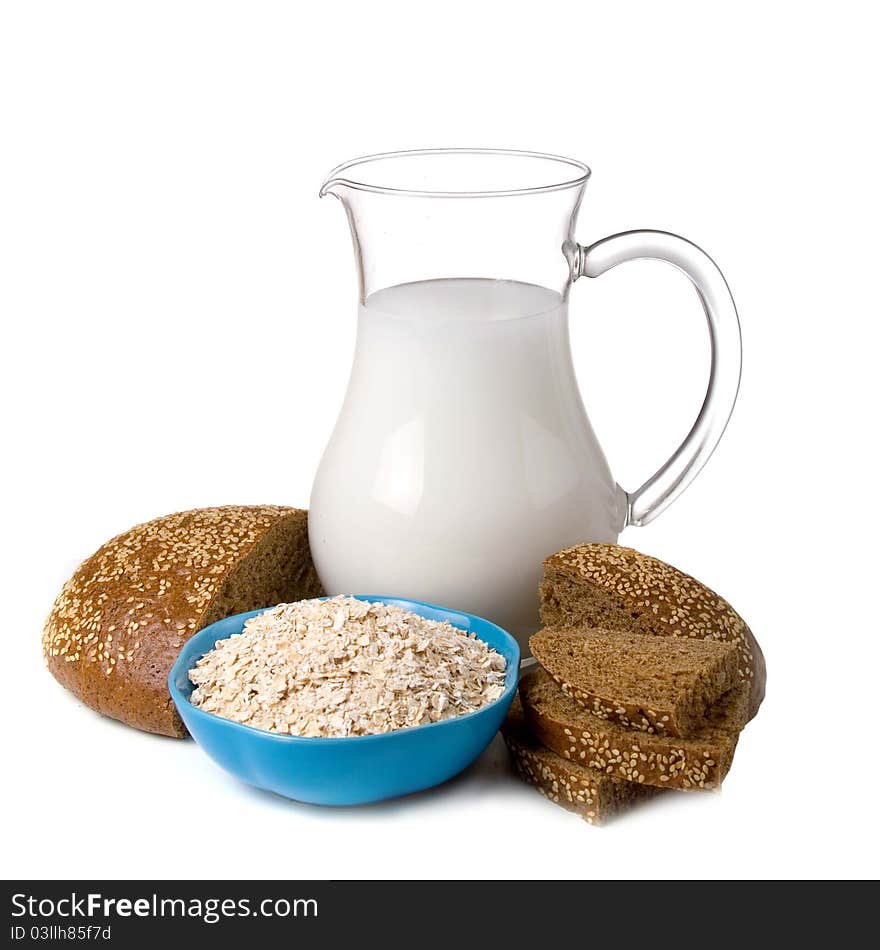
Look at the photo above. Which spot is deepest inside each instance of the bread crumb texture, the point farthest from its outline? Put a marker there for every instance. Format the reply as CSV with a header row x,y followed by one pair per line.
x,y
660,685
655,597
699,762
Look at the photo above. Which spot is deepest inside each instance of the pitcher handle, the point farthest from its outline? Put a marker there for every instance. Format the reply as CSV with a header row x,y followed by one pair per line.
x,y
662,488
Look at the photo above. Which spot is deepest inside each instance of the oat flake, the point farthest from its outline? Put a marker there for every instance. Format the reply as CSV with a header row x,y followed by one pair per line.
x,y
344,667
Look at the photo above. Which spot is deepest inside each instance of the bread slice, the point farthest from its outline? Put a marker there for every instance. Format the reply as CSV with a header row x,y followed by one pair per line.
x,y
120,621
617,588
660,685
591,794
700,762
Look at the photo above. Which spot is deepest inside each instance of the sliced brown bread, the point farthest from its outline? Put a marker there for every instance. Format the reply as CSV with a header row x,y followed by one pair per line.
x,y
591,794
660,685
120,621
700,762
617,588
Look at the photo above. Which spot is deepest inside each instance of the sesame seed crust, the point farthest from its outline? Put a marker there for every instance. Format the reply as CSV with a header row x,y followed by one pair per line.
x,y
606,585
120,621
698,762
592,794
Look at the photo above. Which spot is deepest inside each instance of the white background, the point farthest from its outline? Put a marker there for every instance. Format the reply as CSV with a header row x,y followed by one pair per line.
x,y
178,313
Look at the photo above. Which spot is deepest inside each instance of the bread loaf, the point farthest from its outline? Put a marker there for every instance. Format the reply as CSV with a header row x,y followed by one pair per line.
x,y
661,685
592,794
120,621
617,588
699,762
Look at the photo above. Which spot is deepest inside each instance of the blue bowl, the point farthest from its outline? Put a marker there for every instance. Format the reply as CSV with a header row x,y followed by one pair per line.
x,y
350,770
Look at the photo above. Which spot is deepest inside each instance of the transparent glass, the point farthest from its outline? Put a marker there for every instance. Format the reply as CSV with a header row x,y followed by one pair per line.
x,y
463,454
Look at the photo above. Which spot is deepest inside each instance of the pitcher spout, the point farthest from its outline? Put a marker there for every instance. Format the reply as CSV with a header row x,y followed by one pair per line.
x,y
336,183
332,186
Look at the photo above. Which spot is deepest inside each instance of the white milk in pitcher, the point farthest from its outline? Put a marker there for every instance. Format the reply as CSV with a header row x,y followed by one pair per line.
x,y
462,442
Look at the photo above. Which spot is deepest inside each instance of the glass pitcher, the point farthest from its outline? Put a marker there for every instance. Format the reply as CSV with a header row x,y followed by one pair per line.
x,y
463,455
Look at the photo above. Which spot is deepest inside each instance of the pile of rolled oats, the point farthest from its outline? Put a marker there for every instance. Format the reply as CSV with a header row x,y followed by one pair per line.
x,y
344,667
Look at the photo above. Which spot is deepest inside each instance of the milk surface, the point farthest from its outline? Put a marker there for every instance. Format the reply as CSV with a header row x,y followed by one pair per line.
x,y
462,455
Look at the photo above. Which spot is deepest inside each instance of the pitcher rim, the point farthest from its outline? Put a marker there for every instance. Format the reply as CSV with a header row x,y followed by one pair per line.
x,y
335,177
